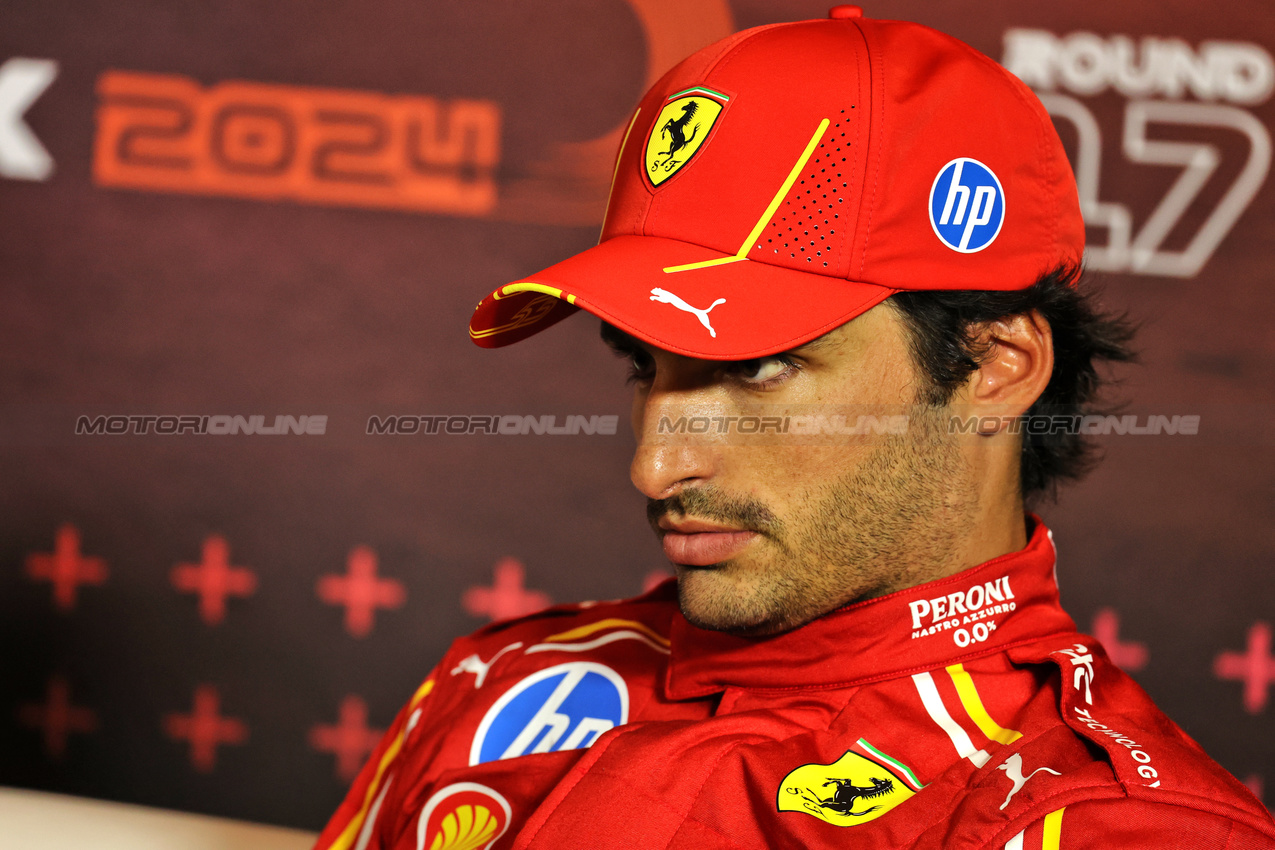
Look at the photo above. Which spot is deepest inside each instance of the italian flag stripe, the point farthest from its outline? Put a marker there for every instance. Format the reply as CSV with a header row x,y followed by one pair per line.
x,y
716,94
889,762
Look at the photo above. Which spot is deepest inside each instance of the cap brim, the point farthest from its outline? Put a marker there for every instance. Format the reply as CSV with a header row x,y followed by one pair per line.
x,y
680,297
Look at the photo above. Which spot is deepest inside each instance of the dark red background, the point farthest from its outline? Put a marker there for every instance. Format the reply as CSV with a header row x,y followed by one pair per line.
x,y
125,301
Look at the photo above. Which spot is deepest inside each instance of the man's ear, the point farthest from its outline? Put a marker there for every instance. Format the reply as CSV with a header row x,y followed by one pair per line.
x,y
1015,369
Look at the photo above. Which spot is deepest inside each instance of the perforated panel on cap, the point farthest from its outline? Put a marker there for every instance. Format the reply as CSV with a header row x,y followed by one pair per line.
x,y
807,229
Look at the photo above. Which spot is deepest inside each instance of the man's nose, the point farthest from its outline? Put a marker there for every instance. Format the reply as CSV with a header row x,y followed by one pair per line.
x,y
676,445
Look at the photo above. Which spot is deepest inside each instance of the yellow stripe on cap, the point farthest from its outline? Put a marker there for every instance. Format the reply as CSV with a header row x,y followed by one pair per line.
x,y
616,172
742,253
783,190
703,264
974,707
530,286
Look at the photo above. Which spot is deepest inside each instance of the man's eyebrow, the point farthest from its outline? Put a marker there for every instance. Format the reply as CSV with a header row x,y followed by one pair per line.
x,y
622,343
617,340
820,343
817,344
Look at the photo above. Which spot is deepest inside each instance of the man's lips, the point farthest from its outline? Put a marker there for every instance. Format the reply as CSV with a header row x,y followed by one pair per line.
x,y
695,543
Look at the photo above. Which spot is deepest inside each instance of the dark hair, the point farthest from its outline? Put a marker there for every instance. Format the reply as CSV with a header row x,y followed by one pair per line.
x,y
942,329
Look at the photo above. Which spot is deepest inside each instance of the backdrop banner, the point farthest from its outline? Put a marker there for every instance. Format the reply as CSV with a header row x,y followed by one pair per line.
x,y
254,477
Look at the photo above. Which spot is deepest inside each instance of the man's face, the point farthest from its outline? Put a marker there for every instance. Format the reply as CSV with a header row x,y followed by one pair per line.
x,y
768,532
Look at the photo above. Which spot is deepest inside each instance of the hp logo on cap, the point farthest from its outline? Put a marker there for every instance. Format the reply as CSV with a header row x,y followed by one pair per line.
x,y
967,205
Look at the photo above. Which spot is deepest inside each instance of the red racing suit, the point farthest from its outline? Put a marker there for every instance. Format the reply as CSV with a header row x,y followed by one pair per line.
x,y
962,713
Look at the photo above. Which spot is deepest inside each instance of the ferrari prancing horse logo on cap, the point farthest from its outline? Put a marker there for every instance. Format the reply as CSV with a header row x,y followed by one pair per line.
x,y
680,130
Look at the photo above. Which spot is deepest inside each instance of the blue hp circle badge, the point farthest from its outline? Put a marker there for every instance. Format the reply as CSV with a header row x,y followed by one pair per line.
x,y
566,707
967,205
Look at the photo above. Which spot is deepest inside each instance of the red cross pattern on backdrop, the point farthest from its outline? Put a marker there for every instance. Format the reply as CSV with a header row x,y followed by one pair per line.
x,y
1130,656
1254,667
361,591
57,717
507,597
205,728
350,740
66,568
214,579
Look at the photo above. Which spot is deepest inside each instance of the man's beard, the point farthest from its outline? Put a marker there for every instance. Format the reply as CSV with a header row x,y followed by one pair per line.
x,y
889,524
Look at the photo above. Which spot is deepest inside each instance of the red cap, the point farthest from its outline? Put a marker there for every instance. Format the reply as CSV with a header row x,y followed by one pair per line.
x,y
782,181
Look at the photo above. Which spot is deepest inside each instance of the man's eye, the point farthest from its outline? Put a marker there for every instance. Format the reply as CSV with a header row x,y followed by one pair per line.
x,y
762,369
641,366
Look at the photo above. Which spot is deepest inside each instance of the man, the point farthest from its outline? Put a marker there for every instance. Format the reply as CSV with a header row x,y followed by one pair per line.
x,y
841,257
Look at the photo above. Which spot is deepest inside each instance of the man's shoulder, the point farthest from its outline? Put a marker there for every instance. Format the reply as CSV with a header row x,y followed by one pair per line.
x,y
1113,763
505,652
1048,739
1103,706
650,612
1098,823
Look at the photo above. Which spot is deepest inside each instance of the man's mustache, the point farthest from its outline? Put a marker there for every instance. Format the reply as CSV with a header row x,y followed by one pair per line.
x,y
710,503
